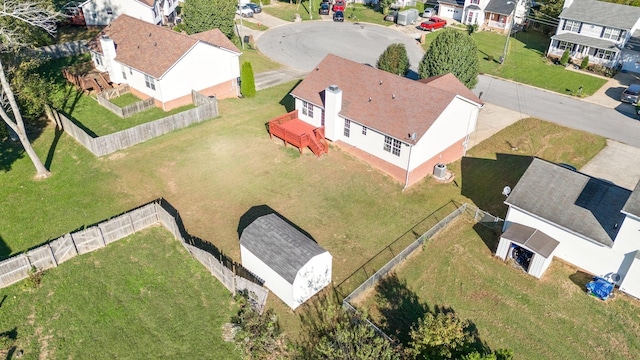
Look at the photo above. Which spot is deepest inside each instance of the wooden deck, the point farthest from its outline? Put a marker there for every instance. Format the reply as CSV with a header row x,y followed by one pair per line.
x,y
298,133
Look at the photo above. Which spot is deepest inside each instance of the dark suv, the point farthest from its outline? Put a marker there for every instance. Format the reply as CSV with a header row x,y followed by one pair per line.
x,y
338,16
324,9
631,94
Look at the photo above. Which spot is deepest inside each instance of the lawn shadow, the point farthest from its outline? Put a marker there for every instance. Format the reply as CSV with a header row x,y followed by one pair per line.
x,y
580,278
489,236
399,306
52,148
288,101
533,40
485,179
5,250
7,338
10,152
259,211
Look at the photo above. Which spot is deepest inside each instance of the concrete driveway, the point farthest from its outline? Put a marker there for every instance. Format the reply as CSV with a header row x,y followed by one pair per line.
x,y
303,45
609,94
617,163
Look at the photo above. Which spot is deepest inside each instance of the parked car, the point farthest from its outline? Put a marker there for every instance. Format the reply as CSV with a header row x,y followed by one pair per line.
x,y
391,16
339,5
630,95
432,24
254,7
324,9
429,12
244,11
338,16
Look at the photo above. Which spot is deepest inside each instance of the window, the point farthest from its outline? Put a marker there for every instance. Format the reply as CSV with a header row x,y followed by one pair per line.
x,y
611,34
124,73
322,118
347,127
364,130
605,54
573,26
562,45
470,17
475,2
99,59
392,145
307,109
149,82
109,11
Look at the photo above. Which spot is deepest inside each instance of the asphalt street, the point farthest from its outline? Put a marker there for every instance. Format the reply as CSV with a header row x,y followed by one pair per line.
x,y
303,45
617,124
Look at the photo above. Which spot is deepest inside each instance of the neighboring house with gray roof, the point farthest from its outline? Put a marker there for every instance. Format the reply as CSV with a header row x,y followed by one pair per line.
x,y
495,15
293,266
599,30
401,126
595,223
157,62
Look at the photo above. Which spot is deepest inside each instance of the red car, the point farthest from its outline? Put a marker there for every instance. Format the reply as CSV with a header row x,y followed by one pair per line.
x,y
433,23
339,5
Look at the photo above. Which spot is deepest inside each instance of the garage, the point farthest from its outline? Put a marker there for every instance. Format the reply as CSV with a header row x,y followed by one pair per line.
x,y
293,266
530,248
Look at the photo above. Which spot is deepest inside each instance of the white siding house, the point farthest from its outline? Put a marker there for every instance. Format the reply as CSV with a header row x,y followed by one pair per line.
x,y
164,64
403,127
595,223
599,30
293,266
103,12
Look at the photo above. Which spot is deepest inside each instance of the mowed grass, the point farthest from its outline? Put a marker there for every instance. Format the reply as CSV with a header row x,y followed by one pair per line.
x,y
259,62
125,99
214,172
142,297
551,318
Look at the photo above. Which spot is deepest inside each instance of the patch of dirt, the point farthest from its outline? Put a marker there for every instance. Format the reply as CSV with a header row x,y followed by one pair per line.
x,y
229,331
117,156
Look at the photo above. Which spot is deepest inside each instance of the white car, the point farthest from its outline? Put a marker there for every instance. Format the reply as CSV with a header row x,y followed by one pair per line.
x,y
428,12
244,10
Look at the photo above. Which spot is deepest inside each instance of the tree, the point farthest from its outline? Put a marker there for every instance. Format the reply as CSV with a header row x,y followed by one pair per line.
x,y
25,13
565,57
441,336
552,8
394,59
385,4
247,82
258,336
585,62
452,51
203,15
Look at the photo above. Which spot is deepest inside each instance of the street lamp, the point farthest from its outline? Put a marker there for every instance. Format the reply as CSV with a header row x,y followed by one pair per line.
x,y
506,43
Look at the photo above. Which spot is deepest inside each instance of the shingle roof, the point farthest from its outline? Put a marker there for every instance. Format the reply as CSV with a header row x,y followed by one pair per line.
x,y
572,200
504,7
395,100
531,238
450,83
602,13
279,245
452,2
586,40
153,49
149,3
632,206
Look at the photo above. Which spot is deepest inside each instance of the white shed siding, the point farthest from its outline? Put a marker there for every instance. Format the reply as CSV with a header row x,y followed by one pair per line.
x,y
311,278
537,265
503,248
203,66
631,282
597,259
628,238
95,11
278,285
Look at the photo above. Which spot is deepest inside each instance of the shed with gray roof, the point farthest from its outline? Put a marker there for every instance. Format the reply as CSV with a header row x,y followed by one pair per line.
x,y
293,266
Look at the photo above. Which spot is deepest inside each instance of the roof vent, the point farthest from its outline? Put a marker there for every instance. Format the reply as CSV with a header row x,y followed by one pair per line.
x,y
105,37
369,99
333,87
380,82
149,34
317,68
412,136
393,96
155,44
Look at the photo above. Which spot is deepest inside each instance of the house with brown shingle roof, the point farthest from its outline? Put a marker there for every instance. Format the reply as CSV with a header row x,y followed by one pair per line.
x,y
401,126
103,12
166,65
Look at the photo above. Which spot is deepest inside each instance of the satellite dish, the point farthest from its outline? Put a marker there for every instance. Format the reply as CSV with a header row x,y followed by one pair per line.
x,y
506,191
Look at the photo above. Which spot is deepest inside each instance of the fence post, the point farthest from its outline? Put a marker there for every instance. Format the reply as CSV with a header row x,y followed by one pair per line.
x,y
53,257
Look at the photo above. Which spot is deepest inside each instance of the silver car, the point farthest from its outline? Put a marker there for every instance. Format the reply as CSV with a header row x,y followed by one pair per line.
x,y
630,95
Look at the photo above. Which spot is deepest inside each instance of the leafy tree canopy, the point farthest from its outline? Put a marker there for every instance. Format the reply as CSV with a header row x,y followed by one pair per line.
x,y
203,15
452,51
394,60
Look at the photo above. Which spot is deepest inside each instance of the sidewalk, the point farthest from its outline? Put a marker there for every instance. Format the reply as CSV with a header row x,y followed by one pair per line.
x,y
491,119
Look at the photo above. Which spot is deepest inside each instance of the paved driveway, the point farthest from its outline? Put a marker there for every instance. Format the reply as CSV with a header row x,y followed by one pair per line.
x,y
617,163
304,45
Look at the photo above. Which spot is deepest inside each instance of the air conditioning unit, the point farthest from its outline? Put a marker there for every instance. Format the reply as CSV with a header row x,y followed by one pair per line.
x,y
178,20
440,171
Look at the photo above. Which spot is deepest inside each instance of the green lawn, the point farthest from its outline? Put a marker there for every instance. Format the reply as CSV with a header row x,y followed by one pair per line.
x,y
551,318
259,62
142,297
125,99
526,63
287,11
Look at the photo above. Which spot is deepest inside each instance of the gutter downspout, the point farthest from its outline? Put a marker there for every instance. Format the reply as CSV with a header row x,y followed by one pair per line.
x,y
406,179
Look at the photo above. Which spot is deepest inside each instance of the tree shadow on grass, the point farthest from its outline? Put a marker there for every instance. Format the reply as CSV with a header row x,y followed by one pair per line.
x,y
484,179
5,250
10,152
8,338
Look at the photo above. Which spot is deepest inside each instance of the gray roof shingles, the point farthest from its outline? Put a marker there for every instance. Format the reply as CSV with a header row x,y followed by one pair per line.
x,y
602,13
586,40
279,245
503,7
572,200
632,206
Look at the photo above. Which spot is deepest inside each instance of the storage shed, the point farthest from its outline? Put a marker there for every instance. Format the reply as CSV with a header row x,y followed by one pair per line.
x,y
538,245
292,265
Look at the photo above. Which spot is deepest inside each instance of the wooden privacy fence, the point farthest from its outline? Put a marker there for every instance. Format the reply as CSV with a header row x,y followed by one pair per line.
x,y
126,111
478,215
95,237
107,144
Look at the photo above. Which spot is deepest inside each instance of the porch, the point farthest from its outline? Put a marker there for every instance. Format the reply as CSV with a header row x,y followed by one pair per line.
x,y
298,133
